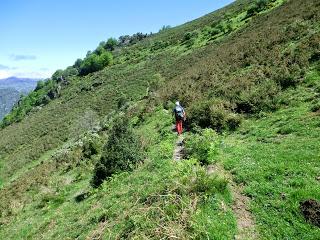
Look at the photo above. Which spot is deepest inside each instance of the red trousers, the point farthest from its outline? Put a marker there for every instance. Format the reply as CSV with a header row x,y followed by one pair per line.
x,y
179,126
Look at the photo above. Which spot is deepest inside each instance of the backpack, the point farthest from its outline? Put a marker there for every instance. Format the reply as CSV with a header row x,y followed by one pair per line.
x,y
179,112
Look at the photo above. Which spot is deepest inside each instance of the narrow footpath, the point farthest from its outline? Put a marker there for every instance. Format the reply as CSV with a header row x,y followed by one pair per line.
x,y
178,152
245,220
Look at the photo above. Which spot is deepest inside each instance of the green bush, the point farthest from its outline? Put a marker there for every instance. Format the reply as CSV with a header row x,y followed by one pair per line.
x,y
214,31
212,114
121,153
208,185
91,146
111,44
189,38
224,27
203,146
157,45
94,62
262,97
233,121
57,74
70,72
257,7
40,84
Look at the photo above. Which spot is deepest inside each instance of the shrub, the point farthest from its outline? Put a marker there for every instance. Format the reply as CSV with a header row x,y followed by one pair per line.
x,y
262,97
57,74
286,78
214,31
77,64
213,114
70,71
224,27
95,62
122,152
199,114
208,184
233,121
159,45
40,84
91,145
111,44
203,146
139,36
190,37
258,6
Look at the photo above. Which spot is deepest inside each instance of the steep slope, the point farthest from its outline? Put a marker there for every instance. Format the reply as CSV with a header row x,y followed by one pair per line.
x,y
241,62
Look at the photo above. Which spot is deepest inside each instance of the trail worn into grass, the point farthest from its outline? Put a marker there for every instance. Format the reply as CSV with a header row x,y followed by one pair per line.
x,y
178,152
245,220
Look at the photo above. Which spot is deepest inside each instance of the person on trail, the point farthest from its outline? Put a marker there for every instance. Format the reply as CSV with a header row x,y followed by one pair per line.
x,y
180,116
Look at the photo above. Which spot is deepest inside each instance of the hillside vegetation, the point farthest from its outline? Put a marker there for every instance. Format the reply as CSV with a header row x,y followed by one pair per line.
x,y
89,155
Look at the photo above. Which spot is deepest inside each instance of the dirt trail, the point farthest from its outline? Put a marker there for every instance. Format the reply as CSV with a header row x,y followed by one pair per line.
x,y
178,152
245,220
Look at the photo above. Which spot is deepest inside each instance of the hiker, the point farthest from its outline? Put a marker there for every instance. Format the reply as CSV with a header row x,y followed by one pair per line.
x,y
180,116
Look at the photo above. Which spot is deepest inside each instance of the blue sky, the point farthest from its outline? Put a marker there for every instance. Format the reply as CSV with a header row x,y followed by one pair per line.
x,y
40,36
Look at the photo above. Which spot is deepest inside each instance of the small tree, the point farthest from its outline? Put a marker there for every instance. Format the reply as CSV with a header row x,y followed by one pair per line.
x,y
95,62
70,71
258,6
111,44
122,152
105,59
57,74
164,28
124,40
90,64
40,85
78,63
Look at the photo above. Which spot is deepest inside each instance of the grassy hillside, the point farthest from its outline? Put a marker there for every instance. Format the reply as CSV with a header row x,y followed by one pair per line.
x,y
249,77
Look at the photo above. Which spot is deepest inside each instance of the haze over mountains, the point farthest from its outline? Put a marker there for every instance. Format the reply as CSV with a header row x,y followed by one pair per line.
x,y
11,90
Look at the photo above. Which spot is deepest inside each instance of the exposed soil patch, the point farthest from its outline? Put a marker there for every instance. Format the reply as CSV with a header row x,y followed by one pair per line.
x,y
245,220
311,211
179,151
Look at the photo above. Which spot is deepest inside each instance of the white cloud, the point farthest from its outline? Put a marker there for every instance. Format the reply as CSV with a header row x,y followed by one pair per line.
x,y
21,57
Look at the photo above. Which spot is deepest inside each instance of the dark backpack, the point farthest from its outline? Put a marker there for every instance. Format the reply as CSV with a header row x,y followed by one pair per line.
x,y
179,112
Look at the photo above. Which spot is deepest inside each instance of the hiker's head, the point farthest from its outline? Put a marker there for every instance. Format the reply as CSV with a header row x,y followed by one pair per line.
x,y
177,103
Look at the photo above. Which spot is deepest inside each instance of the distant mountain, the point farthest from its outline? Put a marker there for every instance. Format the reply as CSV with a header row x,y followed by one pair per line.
x,y
23,85
10,91
8,97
